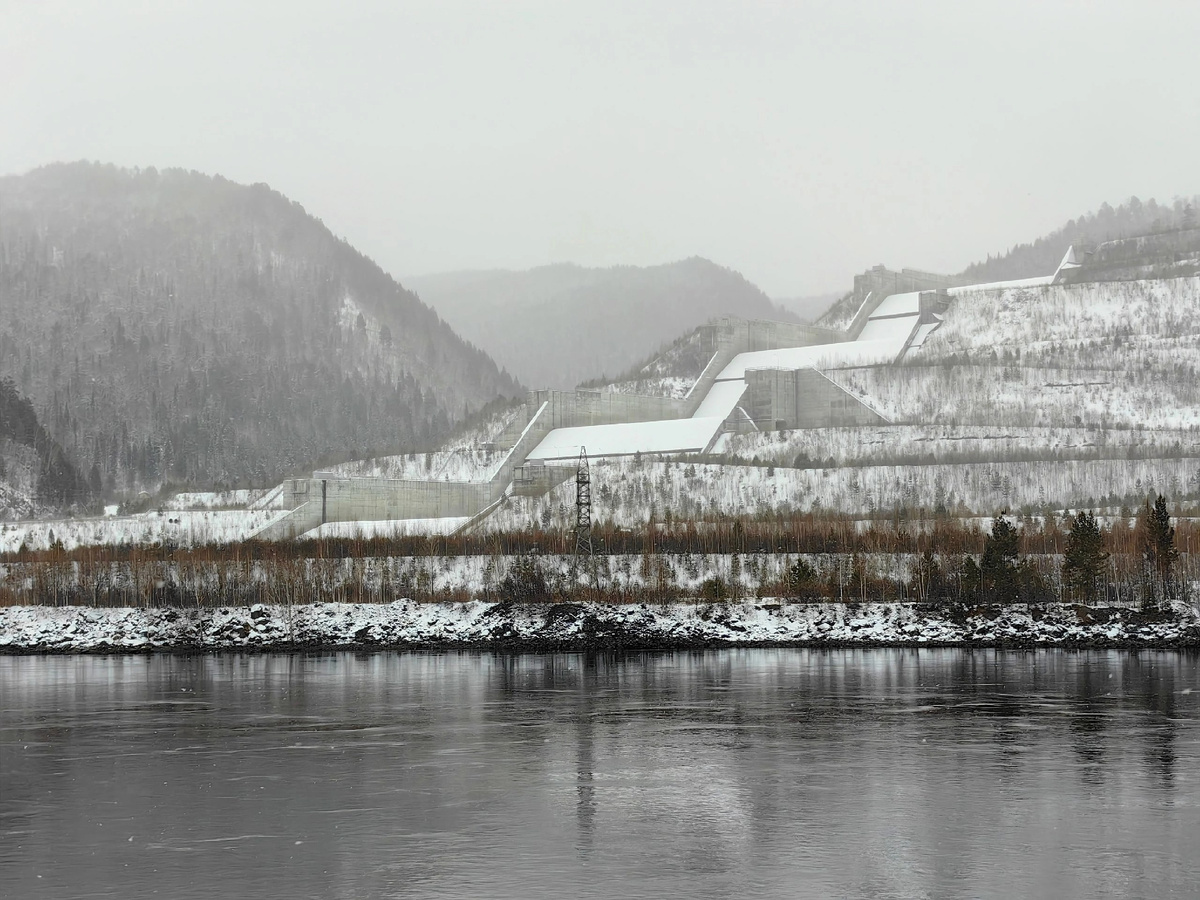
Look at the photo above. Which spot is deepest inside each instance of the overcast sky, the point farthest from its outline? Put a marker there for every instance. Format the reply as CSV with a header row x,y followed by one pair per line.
x,y
797,143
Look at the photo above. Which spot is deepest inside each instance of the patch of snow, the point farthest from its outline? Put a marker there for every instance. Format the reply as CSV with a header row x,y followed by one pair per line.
x,y
666,436
186,528
212,499
672,386
406,623
898,305
388,528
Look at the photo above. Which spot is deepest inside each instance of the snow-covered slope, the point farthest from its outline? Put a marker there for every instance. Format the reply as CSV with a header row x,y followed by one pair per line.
x,y
628,491
183,528
1109,355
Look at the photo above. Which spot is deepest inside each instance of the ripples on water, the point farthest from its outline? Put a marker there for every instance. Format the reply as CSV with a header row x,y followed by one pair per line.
x,y
772,773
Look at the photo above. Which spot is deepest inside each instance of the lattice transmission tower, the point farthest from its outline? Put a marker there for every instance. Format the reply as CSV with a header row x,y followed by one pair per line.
x,y
583,509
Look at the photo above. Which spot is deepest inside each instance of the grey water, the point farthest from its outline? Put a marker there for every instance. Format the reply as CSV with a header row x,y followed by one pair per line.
x,y
772,773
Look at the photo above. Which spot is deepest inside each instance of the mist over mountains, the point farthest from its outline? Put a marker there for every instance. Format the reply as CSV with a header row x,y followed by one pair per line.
x,y
176,327
1042,256
556,326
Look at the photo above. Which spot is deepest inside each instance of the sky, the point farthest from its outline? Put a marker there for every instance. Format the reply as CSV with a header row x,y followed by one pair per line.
x,y
797,143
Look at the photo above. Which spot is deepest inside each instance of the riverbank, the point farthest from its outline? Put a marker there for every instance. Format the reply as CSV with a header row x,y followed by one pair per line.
x,y
405,624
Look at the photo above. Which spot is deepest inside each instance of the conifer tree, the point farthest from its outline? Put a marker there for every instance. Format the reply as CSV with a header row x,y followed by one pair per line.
x,y
1085,557
998,567
1157,539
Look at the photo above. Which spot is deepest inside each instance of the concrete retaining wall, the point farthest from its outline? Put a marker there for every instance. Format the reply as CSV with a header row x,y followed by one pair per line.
x,y
290,525
803,398
745,335
881,282
376,499
568,409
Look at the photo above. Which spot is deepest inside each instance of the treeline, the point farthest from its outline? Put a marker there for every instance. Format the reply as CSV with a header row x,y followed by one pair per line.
x,y
1143,563
1042,256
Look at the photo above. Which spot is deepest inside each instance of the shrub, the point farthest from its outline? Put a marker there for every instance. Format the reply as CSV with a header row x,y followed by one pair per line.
x,y
525,582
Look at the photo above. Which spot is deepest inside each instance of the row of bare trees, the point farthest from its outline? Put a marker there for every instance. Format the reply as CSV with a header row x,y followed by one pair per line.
x,y
1130,561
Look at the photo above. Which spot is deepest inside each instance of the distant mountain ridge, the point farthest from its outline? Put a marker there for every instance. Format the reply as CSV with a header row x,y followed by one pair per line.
x,y
556,326
176,327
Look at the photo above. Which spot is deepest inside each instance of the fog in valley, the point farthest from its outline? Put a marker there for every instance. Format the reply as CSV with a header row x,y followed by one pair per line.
x,y
795,143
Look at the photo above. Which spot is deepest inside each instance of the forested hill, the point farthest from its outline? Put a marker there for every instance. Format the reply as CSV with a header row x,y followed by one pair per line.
x,y
175,327
34,470
1131,218
556,326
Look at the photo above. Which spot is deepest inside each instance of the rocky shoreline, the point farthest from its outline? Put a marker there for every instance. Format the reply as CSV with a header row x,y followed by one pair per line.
x,y
510,627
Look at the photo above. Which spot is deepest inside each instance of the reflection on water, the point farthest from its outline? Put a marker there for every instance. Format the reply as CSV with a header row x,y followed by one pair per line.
x,y
782,773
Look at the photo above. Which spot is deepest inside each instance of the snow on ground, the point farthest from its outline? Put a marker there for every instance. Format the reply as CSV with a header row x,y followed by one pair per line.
x,y
673,386
1036,281
923,444
370,577
490,430
213,499
847,354
19,467
721,400
1010,395
388,528
908,304
186,528
475,464
894,328
1056,316
666,436
624,491
406,623
1124,354
923,333
465,457
15,503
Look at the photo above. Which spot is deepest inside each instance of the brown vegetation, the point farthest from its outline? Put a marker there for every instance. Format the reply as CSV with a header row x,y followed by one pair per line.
x,y
799,557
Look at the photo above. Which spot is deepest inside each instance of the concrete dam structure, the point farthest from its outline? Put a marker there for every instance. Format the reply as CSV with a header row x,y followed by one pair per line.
x,y
761,376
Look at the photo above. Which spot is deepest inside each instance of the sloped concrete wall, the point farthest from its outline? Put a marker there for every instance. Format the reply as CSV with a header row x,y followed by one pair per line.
x,y
745,335
377,499
880,282
803,398
531,435
290,525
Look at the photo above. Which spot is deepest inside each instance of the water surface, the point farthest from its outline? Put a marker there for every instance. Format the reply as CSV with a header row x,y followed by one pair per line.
x,y
772,773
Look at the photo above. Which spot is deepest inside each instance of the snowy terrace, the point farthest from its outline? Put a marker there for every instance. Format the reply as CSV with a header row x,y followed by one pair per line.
x,y
625,491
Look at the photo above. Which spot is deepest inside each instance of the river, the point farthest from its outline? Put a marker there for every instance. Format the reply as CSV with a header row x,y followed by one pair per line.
x,y
727,773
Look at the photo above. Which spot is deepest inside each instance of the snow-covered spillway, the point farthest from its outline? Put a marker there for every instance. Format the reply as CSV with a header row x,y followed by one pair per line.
x,y
893,320
693,435
721,400
847,355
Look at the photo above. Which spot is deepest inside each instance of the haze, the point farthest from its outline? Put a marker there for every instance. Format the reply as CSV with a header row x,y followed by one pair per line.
x,y
795,143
